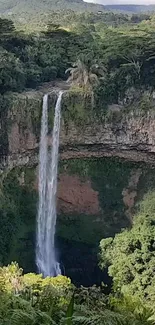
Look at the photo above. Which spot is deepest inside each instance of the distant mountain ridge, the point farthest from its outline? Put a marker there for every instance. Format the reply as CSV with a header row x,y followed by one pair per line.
x,y
13,7
131,8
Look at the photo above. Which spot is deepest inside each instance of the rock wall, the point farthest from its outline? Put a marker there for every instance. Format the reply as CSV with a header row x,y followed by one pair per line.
x,y
106,167
125,133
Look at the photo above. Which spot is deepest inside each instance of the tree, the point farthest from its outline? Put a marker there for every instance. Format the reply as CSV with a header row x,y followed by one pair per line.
x,y
134,61
12,75
85,74
130,256
6,26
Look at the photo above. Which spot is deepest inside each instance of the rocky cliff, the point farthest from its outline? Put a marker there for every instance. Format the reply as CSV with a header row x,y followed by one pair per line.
x,y
106,167
121,132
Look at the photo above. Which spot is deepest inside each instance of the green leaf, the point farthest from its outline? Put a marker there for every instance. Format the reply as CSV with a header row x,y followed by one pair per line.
x,y
70,311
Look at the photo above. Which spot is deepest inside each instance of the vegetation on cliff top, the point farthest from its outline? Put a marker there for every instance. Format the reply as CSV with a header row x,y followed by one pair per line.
x,y
125,55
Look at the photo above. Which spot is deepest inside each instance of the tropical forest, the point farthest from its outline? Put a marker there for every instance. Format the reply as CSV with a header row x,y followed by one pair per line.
x,y
77,163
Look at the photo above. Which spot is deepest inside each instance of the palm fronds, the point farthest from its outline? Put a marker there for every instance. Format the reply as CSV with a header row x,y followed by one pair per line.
x,y
84,75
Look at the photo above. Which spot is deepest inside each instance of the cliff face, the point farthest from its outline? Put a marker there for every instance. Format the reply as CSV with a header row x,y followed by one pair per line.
x,y
121,133
106,167
131,137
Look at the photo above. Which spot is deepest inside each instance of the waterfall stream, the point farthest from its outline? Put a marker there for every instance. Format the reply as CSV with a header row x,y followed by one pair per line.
x,y
46,222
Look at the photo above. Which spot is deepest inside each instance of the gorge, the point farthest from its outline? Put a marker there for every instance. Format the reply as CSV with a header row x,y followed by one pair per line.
x,y
105,170
77,235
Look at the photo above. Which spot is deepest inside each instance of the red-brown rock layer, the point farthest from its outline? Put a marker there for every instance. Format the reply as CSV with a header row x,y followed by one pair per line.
x,y
76,196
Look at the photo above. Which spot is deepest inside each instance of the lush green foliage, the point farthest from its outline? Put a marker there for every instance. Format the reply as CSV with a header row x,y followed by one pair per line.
x,y
27,61
32,300
125,55
130,256
117,64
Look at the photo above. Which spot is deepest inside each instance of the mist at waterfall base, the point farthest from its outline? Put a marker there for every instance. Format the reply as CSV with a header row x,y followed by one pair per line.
x,y
46,258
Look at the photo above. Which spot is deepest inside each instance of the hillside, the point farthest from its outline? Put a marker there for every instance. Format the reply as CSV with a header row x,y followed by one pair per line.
x,y
32,8
131,8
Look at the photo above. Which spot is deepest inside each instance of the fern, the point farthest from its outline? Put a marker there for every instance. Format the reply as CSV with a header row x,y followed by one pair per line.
x,y
107,317
22,317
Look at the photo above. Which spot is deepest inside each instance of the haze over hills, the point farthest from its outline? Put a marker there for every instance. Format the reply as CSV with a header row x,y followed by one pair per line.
x,y
131,8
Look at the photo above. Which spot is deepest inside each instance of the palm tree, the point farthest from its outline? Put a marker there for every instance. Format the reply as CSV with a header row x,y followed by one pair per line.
x,y
84,74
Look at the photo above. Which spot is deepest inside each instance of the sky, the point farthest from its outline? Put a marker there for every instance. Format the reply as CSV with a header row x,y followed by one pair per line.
x,y
110,2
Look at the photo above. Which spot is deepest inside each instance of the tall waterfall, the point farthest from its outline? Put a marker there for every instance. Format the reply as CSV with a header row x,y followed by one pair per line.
x,y
41,220
46,223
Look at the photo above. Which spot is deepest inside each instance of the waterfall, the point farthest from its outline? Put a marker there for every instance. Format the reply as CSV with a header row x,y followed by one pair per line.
x,y
41,220
52,266
46,223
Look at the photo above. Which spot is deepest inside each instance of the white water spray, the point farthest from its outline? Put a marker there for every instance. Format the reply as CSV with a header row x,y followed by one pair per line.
x,y
46,223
